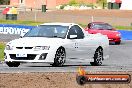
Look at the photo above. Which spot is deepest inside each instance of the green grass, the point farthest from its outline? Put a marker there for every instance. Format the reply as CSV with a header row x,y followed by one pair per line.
x,y
31,23
82,25
2,46
123,27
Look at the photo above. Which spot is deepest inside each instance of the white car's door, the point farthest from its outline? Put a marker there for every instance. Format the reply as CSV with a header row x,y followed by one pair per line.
x,y
71,47
76,49
85,46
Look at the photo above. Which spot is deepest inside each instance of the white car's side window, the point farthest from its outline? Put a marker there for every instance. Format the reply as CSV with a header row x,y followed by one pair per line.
x,y
72,31
80,33
76,30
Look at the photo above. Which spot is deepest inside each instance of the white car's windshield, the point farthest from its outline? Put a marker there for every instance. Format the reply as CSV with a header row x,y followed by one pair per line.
x,y
52,31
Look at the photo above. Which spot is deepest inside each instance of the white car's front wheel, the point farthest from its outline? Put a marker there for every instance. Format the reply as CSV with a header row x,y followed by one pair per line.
x,y
98,57
13,64
60,57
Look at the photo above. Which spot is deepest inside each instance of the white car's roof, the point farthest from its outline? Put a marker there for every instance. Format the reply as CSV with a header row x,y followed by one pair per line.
x,y
59,23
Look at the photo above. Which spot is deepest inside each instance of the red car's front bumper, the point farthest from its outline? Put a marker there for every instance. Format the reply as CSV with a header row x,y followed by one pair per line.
x,y
115,40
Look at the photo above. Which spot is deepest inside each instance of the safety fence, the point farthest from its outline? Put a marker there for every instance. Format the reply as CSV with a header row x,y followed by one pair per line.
x,y
22,29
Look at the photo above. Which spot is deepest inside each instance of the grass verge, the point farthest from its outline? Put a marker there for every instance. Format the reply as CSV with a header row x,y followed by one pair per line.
x,y
123,27
2,46
30,23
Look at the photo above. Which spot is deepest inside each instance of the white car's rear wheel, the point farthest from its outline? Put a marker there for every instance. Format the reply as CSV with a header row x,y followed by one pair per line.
x,y
98,57
60,57
13,64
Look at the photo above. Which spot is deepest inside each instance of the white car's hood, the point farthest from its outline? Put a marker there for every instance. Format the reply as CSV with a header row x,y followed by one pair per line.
x,y
35,41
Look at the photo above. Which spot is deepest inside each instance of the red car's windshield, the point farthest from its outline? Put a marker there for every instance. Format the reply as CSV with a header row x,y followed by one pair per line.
x,y
101,26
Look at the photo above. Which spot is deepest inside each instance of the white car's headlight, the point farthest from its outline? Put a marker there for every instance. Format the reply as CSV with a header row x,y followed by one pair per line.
x,y
8,47
41,47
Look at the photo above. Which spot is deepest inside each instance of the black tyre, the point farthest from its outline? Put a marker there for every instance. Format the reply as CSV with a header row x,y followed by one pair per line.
x,y
117,43
81,80
13,64
98,57
60,57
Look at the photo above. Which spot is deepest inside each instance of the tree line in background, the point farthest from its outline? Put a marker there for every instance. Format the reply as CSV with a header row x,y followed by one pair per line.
x,y
4,2
102,3
98,4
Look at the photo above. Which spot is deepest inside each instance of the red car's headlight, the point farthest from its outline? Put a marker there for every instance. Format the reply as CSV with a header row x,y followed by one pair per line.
x,y
118,35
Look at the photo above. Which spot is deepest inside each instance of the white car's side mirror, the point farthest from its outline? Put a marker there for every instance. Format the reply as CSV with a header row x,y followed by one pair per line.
x,y
73,36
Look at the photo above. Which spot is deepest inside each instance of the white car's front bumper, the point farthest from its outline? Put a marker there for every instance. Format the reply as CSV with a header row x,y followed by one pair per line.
x,y
29,56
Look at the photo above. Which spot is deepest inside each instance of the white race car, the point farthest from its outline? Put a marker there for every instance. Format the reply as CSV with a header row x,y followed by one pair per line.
x,y
56,44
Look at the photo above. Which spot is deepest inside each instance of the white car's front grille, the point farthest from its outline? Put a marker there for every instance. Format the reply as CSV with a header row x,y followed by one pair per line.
x,y
24,47
29,57
28,47
19,47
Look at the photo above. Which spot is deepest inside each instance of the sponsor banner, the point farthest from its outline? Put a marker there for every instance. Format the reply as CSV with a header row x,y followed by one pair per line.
x,y
83,77
14,29
103,78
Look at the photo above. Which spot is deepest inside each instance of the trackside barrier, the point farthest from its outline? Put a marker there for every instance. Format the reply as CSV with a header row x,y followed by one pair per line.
x,y
14,29
22,29
126,35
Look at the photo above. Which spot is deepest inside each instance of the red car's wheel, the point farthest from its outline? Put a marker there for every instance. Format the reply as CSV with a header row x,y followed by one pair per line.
x,y
117,43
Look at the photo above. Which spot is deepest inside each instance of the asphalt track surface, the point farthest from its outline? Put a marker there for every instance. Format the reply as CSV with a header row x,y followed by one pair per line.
x,y
120,60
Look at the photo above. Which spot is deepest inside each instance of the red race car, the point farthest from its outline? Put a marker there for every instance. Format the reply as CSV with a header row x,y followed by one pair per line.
x,y
105,29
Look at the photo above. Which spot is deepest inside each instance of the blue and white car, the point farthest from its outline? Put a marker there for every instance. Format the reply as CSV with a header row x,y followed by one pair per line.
x,y
57,44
